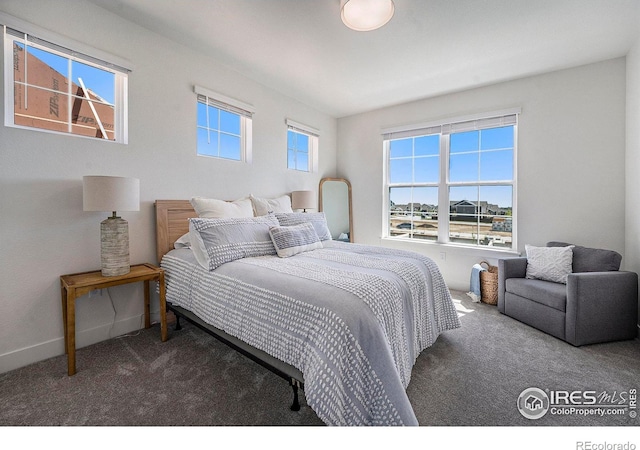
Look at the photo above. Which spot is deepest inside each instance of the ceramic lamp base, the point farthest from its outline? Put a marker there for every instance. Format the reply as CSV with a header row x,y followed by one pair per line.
x,y
114,248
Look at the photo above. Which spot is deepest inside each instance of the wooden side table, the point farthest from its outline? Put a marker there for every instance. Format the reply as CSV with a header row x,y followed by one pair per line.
x,y
78,284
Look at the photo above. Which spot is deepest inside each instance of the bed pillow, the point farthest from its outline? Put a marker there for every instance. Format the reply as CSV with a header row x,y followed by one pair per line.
x,y
264,206
217,241
549,263
318,220
183,241
295,239
213,208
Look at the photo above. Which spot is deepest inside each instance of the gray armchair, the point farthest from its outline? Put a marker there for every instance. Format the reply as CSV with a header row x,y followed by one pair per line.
x,y
598,304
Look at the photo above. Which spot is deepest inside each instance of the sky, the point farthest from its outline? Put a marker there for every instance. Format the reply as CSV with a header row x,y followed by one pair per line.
x,y
211,142
475,156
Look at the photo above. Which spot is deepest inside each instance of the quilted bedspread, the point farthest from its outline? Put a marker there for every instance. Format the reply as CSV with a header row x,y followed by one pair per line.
x,y
352,318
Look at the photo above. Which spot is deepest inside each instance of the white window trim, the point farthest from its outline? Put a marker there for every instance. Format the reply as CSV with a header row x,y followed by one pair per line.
x,y
314,137
244,110
73,50
444,127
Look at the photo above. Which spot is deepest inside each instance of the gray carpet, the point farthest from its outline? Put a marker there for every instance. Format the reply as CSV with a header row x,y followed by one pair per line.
x,y
470,377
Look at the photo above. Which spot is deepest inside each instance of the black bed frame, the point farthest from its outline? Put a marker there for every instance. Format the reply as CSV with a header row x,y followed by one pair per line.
x,y
172,221
280,368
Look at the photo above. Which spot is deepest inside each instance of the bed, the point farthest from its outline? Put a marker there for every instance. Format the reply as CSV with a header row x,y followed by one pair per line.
x,y
343,321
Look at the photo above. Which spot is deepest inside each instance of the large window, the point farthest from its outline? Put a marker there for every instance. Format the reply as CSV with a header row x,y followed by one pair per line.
x,y
223,126
302,147
453,182
50,87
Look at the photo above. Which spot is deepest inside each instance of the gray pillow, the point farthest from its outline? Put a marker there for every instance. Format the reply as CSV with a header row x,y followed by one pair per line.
x,y
295,239
587,259
217,241
318,220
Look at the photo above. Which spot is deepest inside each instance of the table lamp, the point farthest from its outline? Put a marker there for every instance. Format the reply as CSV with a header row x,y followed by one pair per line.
x,y
303,200
103,193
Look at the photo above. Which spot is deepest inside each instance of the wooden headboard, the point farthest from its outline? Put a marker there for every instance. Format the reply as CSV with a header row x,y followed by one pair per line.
x,y
172,221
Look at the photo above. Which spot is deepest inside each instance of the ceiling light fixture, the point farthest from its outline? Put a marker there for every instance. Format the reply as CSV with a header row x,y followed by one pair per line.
x,y
366,15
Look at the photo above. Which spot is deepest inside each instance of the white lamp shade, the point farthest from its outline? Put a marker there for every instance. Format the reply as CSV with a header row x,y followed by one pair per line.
x,y
366,15
303,200
100,193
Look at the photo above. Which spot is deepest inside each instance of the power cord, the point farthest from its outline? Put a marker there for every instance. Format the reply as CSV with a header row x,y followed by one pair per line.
x,y
113,323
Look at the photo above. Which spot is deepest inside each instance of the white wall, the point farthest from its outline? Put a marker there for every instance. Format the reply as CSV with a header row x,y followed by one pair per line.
x,y
43,231
632,243
571,161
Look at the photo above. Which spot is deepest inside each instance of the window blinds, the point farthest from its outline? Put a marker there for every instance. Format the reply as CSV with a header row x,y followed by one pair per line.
x,y
223,102
457,125
296,126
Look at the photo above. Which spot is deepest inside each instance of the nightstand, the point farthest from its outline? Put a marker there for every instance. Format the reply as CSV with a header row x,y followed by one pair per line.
x,y
78,284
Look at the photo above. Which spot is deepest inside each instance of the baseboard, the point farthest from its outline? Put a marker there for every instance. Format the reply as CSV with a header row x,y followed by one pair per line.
x,y
55,347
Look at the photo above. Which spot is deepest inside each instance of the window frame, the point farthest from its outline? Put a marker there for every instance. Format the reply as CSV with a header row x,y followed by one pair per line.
x,y
15,30
313,135
222,102
445,128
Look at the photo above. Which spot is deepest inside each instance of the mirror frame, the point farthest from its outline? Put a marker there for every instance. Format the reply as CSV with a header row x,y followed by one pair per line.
x,y
343,180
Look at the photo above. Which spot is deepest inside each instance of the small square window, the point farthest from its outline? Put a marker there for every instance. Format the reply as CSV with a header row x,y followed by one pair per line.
x,y
302,144
51,88
298,151
223,129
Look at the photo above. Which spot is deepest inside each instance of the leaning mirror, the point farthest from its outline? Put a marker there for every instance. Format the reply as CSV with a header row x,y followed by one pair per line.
x,y
335,201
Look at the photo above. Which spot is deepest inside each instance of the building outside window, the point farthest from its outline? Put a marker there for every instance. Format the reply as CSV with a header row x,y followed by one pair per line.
x,y
52,87
453,182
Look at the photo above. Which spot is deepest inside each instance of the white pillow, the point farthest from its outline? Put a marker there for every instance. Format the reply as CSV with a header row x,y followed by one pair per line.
x,y
549,263
264,206
183,241
212,208
295,239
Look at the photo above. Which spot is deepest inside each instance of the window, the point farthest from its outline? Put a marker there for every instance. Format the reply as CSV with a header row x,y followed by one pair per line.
x,y
414,172
302,145
49,87
223,126
297,150
453,182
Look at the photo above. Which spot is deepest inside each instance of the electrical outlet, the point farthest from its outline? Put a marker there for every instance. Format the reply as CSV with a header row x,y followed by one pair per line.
x,y
95,293
443,256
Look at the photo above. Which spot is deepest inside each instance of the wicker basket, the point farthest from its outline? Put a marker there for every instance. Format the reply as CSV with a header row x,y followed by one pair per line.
x,y
489,284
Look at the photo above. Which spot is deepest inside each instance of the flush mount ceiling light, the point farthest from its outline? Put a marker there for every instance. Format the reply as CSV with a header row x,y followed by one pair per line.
x,y
366,15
